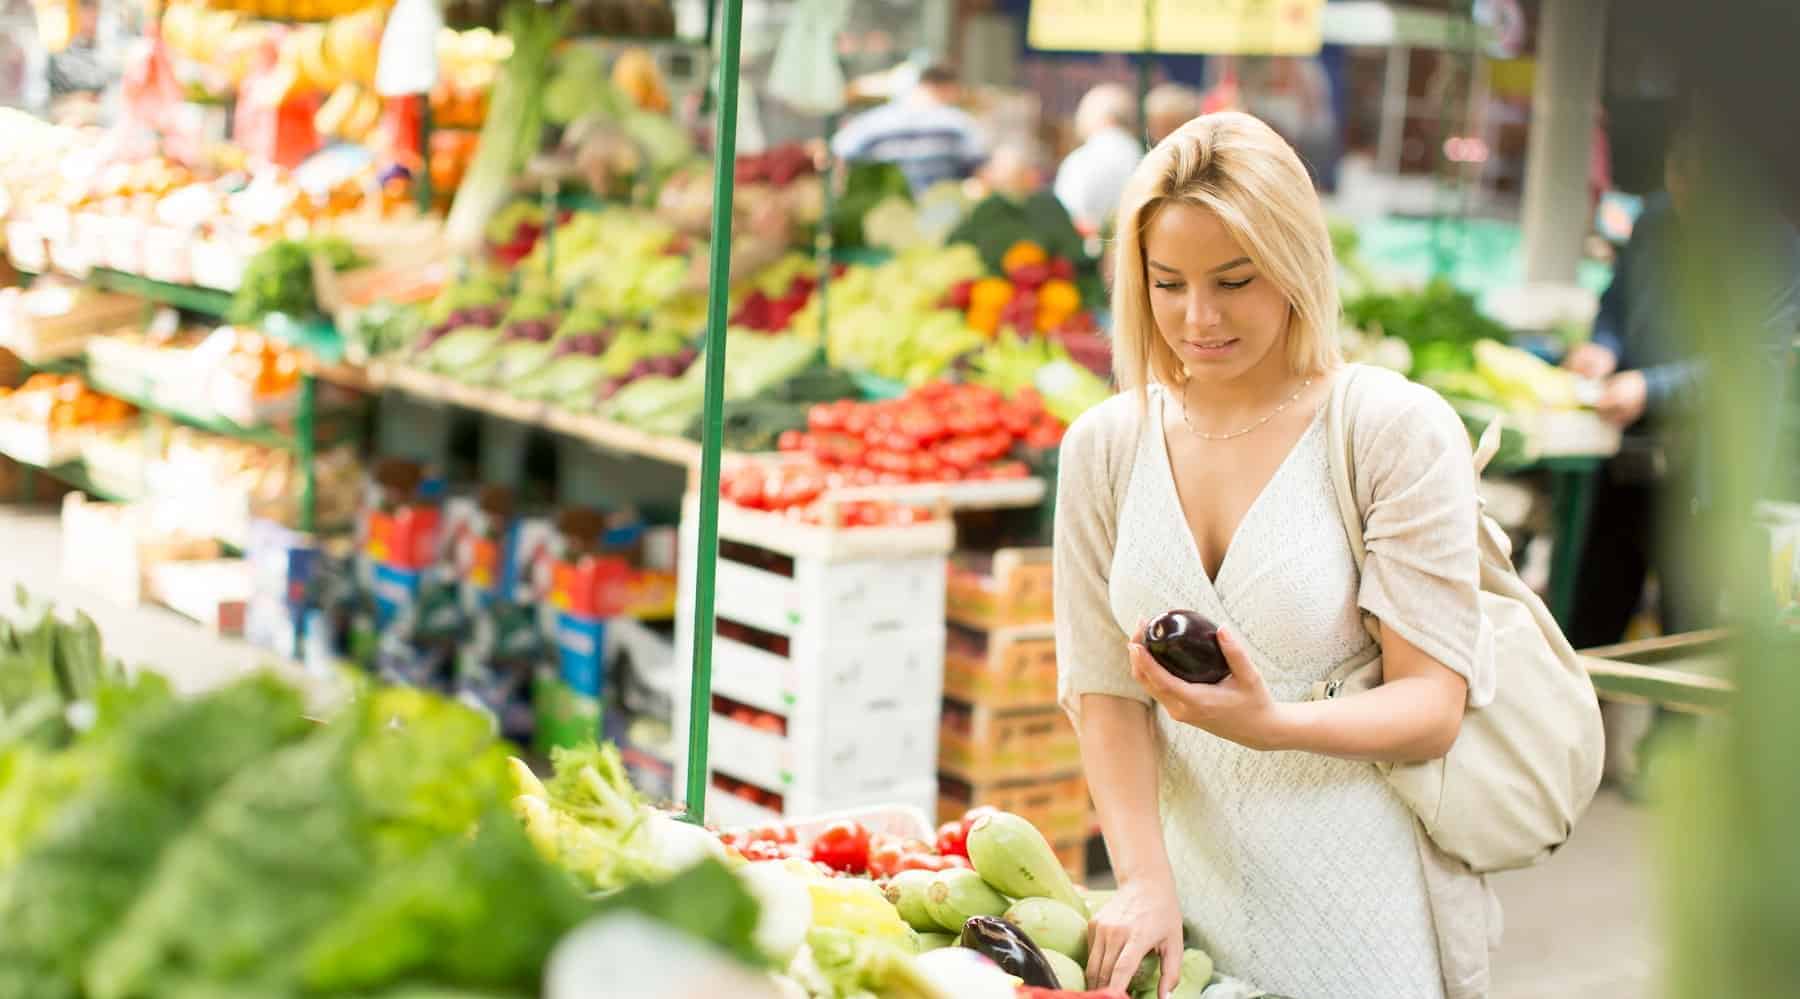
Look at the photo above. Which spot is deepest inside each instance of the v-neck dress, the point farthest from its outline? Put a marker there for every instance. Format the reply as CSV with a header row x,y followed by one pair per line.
x,y
1299,871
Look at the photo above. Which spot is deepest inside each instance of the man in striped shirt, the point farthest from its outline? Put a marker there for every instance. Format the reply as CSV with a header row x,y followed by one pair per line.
x,y
924,133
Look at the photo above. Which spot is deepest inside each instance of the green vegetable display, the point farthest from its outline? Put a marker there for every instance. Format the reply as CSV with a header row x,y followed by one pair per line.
x,y
1439,322
279,279
95,856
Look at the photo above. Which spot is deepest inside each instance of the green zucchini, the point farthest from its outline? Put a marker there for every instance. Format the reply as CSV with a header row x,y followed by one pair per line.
x,y
1070,977
956,895
1010,854
1052,926
906,890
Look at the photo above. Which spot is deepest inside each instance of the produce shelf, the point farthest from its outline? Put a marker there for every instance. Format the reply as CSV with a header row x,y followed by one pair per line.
x,y
1680,672
208,301
264,436
583,426
998,494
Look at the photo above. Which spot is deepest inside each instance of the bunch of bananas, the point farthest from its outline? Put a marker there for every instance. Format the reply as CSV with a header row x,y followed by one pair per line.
x,y
295,10
325,56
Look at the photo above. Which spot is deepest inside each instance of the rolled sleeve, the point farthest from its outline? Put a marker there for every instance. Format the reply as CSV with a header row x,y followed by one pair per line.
x,y
1422,574
1091,655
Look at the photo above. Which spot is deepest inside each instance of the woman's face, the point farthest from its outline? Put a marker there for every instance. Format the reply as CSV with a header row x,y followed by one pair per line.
x,y
1215,311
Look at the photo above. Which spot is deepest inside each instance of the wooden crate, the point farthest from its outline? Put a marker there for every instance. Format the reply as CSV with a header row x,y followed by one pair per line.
x,y
1008,588
1073,857
1008,668
52,322
1057,806
980,743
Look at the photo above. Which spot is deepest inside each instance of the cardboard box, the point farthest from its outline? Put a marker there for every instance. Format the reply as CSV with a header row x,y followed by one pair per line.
x,y
213,592
110,548
1057,806
1008,668
1006,588
984,744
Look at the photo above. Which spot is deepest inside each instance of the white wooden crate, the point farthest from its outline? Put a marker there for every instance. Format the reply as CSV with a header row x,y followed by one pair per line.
x,y
725,810
830,755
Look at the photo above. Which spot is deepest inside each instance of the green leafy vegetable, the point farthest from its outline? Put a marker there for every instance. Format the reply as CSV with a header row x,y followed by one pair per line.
x,y
483,912
98,850
279,279
706,901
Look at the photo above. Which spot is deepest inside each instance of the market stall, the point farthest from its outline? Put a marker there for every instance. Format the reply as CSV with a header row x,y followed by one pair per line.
x,y
770,588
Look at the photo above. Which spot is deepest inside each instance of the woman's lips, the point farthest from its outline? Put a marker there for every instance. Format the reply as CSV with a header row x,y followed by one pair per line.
x,y
1207,347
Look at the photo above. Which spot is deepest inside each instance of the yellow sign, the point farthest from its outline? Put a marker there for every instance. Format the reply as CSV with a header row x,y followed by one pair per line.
x,y
1221,27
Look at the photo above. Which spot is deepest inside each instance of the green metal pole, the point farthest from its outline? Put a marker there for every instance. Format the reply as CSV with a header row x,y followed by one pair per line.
x,y
303,448
712,427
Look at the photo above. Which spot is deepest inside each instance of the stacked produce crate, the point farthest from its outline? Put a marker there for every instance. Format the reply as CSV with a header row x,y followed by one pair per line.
x,y
1004,741
827,667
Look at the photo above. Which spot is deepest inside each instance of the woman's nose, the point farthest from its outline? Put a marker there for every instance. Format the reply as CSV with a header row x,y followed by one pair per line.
x,y
1202,313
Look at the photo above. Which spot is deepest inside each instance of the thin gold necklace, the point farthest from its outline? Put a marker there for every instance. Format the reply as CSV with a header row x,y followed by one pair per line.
x,y
1238,433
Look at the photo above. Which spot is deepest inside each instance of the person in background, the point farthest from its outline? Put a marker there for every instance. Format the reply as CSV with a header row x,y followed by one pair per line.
x,y
1093,175
1016,168
1653,498
924,133
1167,107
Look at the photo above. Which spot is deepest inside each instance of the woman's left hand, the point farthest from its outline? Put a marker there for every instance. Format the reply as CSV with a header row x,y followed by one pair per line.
x,y
1239,707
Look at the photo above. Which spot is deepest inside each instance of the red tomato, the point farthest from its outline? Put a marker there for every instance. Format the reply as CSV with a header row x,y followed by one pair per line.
x,y
824,417
843,846
774,832
953,861
921,862
1010,470
885,853
791,440
762,851
953,839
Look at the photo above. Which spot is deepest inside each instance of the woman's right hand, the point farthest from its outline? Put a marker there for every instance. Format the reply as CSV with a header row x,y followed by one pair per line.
x,y
1142,918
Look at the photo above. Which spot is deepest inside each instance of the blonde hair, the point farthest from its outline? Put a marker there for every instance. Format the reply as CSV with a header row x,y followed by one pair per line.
x,y
1235,166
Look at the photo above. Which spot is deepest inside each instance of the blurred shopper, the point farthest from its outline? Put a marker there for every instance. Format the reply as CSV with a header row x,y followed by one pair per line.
x,y
1653,498
1016,168
1294,96
1093,176
924,133
1167,107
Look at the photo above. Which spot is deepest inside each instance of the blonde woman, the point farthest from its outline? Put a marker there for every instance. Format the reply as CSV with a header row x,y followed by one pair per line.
x,y
1248,807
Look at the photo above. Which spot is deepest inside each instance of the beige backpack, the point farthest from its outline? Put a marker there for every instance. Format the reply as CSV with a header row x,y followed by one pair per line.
x,y
1526,765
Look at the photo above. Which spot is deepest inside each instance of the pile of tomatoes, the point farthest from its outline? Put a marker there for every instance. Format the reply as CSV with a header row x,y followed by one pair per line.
x,y
939,432
796,488
850,848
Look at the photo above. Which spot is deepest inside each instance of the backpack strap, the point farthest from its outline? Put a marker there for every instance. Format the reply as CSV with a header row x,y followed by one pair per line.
x,y
1342,460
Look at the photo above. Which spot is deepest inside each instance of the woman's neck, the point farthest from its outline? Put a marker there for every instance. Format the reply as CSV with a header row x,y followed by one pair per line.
x,y
1226,405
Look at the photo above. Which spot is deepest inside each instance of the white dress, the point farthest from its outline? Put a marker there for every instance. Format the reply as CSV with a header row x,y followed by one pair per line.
x,y
1299,872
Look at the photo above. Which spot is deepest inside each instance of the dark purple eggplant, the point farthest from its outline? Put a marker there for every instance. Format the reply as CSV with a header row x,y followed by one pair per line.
x,y
1007,946
1187,645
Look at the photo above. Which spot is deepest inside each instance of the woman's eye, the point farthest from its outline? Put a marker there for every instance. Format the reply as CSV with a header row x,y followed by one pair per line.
x,y
1167,285
1235,285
